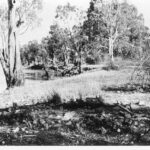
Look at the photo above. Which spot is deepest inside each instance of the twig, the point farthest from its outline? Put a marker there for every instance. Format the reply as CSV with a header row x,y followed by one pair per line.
x,y
122,107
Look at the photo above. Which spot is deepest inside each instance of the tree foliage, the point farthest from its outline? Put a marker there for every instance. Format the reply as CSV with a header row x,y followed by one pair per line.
x,y
107,27
116,27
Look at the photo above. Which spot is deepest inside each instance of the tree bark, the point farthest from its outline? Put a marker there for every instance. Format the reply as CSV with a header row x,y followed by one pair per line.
x,y
15,76
80,60
80,63
54,60
3,84
111,49
65,60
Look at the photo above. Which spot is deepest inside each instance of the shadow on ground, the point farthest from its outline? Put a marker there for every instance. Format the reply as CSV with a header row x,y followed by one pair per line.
x,y
83,122
129,87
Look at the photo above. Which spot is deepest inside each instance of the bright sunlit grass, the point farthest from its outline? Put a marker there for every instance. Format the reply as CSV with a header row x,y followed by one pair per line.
x,y
88,84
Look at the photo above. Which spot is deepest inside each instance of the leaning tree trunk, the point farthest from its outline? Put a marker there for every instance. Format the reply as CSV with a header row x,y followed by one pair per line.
x,y
15,75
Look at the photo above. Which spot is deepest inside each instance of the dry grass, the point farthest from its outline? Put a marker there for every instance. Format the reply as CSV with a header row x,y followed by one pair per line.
x,y
86,85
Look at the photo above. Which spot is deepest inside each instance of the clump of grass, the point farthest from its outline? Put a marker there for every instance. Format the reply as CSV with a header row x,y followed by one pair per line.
x,y
110,66
55,98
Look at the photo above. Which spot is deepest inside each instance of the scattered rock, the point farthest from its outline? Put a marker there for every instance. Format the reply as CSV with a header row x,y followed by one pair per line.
x,y
16,130
103,130
136,123
134,129
127,115
118,130
69,116
69,123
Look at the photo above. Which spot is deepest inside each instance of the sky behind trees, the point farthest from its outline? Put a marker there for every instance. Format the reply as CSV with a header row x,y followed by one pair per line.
x,y
48,13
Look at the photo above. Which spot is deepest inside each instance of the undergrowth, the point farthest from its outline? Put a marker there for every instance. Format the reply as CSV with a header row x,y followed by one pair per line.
x,y
80,122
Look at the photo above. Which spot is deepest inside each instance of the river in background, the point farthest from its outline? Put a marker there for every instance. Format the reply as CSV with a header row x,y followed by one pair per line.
x,y
37,74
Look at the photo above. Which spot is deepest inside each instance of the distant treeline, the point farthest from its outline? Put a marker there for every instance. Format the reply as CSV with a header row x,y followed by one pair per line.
x,y
76,36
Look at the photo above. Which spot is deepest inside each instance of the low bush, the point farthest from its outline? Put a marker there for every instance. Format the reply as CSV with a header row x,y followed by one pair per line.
x,y
92,60
110,66
36,67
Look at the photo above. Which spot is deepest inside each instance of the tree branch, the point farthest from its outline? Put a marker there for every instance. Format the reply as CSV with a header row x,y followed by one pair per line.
x,y
25,30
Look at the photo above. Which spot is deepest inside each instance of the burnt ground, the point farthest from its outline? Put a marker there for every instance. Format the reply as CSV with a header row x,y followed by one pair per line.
x,y
75,123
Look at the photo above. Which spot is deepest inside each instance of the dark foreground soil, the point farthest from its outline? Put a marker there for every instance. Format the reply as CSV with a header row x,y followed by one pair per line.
x,y
75,123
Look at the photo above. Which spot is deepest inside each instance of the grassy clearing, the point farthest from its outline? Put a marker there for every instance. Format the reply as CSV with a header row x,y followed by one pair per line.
x,y
86,85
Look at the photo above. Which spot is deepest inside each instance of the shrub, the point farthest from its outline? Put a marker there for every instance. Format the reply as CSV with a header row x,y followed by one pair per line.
x,y
141,74
110,66
37,67
91,60
56,98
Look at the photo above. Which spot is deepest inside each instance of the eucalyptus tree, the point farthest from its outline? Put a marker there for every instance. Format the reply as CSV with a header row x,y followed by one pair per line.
x,y
71,20
20,16
114,25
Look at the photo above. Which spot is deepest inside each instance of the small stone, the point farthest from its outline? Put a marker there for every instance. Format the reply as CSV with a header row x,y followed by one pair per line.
x,y
16,130
142,125
59,117
35,122
132,142
69,123
136,123
118,130
3,142
134,129
59,121
127,115
46,126
103,130
27,132
69,116
23,129
42,121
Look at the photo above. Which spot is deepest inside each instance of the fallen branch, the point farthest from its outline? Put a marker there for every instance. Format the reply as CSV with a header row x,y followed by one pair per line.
x,y
125,109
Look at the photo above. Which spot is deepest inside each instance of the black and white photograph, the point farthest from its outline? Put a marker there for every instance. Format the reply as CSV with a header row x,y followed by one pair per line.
x,y
75,73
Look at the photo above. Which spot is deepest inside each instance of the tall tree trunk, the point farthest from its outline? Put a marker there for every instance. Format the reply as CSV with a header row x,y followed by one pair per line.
x,y
80,60
65,55
80,63
3,62
15,76
111,49
3,84
65,60
54,60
